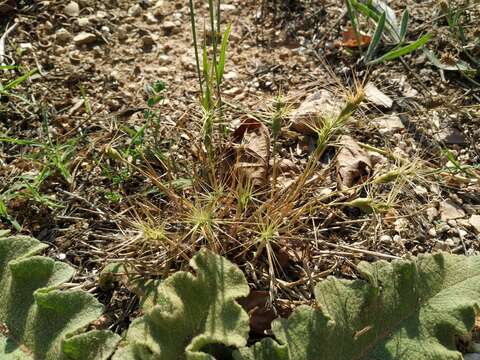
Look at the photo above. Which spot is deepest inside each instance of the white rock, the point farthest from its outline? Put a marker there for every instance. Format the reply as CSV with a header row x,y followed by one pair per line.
x,y
164,59
84,38
134,10
227,7
314,110
386,239
450,211
72,9
389,124
63,36
150,18
475,222
432,213
83,22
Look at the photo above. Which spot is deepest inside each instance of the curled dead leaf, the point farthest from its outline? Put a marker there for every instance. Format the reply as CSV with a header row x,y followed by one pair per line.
x,y
252,151
261,313
353,163
349,39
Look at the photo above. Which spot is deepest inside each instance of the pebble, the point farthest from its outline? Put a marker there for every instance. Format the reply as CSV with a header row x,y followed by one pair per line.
x,y
169,27
389,124
72,9
450,242
84,38
148,41
432,213
134,10
432,232
63,36
228,7
151,18
386,239
164,59
450,211
451,136
452,223
442,228
83,22
475,222
163,70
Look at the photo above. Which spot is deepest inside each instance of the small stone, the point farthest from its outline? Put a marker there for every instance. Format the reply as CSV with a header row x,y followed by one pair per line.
x,y
389,124
84,38
442,228
452,223
169,27
450,211
150,18
432,232
72,9
148,41
134,10
386,239
164,59
100,15
231,75
228,7
450,242
475,222
163,70
63,36
83,22
451,136
314,110
432,213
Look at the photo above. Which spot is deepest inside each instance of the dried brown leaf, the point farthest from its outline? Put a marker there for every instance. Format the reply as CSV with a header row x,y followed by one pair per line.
x,y
260,311
353,163
252,151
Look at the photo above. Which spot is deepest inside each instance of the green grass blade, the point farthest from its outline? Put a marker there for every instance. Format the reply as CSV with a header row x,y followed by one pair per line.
x,y
366,10
404,50
223,54
8,67
377,36
404,25
13,84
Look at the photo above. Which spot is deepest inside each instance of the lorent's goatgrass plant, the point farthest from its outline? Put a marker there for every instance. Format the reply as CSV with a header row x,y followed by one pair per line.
x,y
210,71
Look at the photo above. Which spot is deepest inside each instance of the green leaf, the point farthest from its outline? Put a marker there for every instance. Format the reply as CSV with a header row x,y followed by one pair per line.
x,y
188,314
404,25
39,318
223,54
404,50
377,36
402,310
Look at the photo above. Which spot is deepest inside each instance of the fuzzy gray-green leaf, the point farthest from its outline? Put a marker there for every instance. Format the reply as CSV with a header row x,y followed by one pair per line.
x,y
191,313
36,319
404,310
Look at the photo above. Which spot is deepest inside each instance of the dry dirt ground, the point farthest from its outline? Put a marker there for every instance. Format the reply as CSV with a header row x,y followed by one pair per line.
x,y
61,180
